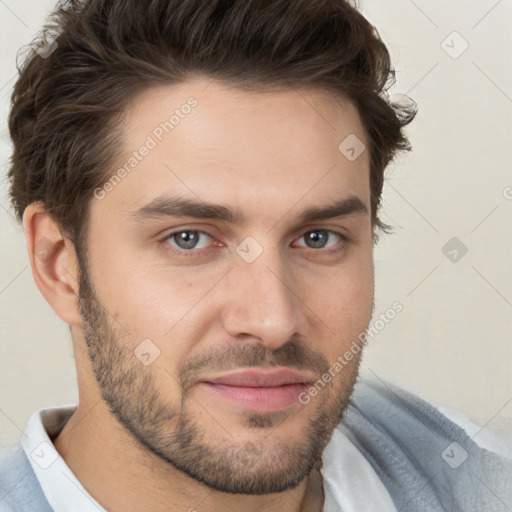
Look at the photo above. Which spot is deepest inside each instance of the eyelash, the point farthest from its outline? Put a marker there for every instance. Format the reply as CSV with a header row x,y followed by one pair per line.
x,y
344,240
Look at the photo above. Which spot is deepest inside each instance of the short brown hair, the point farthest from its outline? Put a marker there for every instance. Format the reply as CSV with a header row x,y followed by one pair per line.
x,y
64,119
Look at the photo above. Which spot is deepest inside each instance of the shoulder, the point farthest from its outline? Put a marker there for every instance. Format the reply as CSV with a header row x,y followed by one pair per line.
x,y
423,458
19,487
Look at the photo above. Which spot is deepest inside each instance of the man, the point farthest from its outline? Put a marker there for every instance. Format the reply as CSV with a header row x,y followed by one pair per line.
x,y
199,183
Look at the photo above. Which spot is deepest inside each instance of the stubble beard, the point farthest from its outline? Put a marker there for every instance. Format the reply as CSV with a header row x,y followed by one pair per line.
x,y
170,432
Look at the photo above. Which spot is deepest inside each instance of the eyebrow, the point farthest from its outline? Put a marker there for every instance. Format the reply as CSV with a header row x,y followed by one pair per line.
x,y
165,206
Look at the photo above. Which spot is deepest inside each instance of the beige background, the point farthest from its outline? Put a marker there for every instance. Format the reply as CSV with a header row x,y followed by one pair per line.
x,y
452,343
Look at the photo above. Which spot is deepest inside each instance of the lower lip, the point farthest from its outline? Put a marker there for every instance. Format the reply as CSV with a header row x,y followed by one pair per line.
x,y
258,399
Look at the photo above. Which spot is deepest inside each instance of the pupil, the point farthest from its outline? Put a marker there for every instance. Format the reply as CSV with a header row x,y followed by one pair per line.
x,y
317,239
187,239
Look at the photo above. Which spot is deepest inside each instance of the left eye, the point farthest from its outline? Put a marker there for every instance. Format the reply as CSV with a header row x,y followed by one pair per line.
x,y
190,239
320,238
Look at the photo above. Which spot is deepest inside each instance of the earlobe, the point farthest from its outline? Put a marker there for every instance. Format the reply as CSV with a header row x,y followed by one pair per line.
x,y
53,261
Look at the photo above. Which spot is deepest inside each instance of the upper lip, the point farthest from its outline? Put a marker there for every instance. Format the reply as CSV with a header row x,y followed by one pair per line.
x,y
261,378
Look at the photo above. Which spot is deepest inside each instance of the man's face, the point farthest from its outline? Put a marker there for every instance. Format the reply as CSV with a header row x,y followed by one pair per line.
x,y
204,328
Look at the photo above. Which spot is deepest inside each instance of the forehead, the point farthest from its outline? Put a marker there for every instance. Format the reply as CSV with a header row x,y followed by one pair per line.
x,y
213,142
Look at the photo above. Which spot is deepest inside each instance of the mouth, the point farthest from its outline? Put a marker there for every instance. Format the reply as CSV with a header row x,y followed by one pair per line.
x,y
258,389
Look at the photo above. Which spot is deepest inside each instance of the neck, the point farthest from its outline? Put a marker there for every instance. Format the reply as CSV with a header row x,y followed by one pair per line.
x,y
123,476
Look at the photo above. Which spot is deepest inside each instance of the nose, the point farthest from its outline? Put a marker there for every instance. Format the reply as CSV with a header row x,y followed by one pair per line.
x,y
263,301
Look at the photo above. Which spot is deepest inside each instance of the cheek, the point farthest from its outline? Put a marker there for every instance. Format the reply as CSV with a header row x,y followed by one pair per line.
x,y
345,302
162,304
349,307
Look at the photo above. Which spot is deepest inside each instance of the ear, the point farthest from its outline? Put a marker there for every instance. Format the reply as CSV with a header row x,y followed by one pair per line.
x,y
53,261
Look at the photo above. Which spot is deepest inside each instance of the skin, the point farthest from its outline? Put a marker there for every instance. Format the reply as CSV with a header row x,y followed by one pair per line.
x,y
269,156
